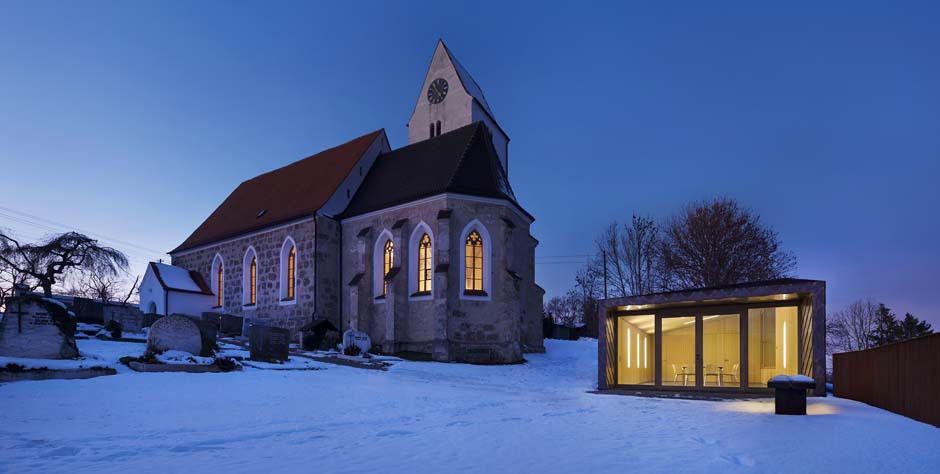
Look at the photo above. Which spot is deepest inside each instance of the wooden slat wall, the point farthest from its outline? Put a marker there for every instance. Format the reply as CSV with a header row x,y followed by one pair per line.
x,y
902,377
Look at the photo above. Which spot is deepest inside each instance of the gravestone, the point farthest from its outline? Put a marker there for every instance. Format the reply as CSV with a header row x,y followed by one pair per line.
x,y
209,331
174,333
268,344
318,334
37,328
228,324
356,338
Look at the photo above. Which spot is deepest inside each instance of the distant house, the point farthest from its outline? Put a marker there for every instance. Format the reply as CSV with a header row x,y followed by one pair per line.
x,y
167,290
424,247
724,339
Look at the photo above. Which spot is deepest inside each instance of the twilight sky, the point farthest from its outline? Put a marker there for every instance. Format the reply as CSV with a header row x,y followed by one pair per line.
x,y
134,120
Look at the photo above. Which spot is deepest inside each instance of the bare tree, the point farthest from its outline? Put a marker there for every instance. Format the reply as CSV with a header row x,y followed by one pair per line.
x,y
713,243
105,288
851,328
611,244
47,262
640,252
585,297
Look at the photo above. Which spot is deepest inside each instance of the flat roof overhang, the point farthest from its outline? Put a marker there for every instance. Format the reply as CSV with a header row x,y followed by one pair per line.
x,y
771,291
809,295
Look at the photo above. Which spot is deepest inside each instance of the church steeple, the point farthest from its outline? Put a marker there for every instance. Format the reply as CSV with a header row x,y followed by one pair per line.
x,y
450,98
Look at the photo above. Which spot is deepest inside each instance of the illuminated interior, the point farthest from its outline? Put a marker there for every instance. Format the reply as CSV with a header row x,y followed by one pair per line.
x,y
635,361
679,351
771,344
721,350
715,358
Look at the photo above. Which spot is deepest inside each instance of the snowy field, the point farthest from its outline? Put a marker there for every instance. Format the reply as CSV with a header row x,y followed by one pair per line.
x,y
429,418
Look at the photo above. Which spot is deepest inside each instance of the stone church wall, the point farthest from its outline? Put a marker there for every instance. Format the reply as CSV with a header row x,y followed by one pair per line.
x,y
447,325
267,244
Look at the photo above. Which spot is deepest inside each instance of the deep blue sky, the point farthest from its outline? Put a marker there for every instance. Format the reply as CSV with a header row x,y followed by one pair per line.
x,y
134,120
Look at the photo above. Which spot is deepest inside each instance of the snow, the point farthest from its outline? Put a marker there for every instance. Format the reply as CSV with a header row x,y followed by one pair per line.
x,y
426,417
792,378
55,302
183,358
176,278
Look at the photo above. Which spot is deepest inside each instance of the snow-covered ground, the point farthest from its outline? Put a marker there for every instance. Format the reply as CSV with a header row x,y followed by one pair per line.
x,y
422,417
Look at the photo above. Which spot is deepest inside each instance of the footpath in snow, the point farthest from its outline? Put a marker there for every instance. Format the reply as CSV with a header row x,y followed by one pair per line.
x,y
423,417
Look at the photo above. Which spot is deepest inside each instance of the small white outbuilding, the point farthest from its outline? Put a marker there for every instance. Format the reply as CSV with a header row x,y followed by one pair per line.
x,y
167,290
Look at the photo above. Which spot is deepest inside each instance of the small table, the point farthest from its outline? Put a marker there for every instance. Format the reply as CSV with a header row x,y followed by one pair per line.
x,y
685,376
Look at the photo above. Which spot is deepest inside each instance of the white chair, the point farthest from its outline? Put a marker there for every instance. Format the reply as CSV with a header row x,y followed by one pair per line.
x,y
733,374
712,370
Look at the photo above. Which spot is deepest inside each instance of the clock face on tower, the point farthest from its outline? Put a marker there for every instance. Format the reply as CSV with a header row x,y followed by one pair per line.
x,y
437,91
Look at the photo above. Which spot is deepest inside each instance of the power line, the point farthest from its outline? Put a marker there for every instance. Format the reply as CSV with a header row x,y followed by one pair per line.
x,y
64,226
133,255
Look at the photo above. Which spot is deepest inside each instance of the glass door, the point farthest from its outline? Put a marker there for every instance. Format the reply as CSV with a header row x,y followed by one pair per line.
x,y
678,348
721,350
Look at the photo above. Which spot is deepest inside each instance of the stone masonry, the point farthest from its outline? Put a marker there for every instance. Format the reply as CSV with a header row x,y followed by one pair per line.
x,y
446,325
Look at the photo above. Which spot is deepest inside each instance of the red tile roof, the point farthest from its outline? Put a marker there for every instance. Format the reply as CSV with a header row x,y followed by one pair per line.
x,y
296,190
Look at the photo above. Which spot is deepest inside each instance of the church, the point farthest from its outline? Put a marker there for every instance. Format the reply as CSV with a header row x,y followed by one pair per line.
x,y
425,247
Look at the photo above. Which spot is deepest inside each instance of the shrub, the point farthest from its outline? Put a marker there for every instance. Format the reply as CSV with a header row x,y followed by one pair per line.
x,y
114,328
226,364
352,350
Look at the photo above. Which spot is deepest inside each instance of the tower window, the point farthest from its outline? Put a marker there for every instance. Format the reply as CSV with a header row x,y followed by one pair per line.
x,y
438,128
431,134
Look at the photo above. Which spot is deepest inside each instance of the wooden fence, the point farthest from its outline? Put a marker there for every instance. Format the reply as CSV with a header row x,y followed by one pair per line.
x,y
903,377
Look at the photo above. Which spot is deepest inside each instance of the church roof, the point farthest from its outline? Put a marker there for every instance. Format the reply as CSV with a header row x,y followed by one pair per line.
x,y
467,81
296,190
461,161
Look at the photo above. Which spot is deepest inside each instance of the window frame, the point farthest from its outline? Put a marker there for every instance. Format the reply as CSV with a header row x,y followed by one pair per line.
x,y
250,279
414,265
286,281
217,277
379,288
487,261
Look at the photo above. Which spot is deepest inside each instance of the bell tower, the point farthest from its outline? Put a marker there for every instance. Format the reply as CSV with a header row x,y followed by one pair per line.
x,y
450,99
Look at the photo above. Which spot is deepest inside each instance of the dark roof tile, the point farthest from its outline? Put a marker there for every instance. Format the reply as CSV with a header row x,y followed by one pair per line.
x,y
293,191
461,161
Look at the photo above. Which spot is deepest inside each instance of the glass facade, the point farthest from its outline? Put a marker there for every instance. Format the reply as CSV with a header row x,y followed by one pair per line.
x,y
678,349
722,347
635,360
721,350
771,344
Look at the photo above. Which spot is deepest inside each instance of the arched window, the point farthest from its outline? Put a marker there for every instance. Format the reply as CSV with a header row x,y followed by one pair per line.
x,y
217,277
474,263
431,133
288,271
250,278
291,269
424,264
438,128
253,281
387,257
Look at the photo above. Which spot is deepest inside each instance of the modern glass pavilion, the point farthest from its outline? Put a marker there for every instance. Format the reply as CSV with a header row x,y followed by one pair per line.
x,y
724,339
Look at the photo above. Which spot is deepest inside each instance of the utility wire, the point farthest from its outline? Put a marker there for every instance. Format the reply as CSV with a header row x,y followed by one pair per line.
x,y
64,226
